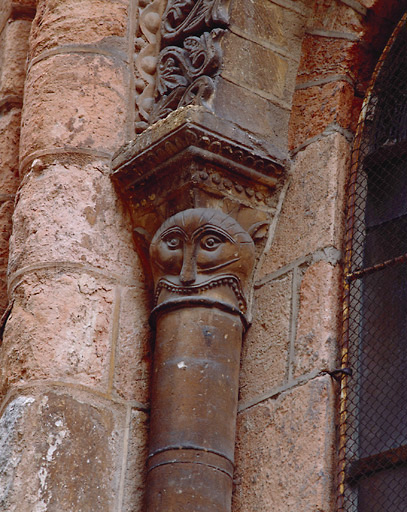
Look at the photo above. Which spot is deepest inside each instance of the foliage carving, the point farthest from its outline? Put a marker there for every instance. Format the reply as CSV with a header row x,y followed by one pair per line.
x,y
186,17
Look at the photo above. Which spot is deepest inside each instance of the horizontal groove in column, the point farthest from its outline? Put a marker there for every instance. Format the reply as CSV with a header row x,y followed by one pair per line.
x,y
79,388
79,49
73,152
67,266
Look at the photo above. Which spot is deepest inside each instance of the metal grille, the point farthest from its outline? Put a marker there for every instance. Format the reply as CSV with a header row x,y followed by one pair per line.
x,y
373,404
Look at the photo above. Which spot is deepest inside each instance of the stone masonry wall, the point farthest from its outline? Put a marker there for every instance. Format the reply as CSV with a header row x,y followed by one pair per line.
x,y
286,426
75,354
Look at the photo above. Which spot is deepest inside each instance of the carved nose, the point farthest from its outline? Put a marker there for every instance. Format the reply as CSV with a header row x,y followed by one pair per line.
x,y
188,271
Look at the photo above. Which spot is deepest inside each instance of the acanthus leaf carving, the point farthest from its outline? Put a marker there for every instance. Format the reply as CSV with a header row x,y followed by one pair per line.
x,y
180,66
186,17
198,93
184,75
167,104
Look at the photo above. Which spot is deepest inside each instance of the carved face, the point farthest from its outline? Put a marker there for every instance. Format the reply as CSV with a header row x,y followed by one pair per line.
x,y
202,252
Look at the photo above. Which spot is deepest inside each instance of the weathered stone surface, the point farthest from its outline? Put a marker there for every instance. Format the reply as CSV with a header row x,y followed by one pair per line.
x,y
62,454
6,212
69,213
267,23
9,140
265,352
25,3
312,214
59,329
369,3
133,353
255,67
14,55
241,106
9,455
337,16
92,114
134,485
285,450
5,7
318,327
323,57
317,107
97,22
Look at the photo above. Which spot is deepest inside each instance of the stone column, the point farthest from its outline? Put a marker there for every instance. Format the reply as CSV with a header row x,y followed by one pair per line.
x,y
74,367
15,23
202,260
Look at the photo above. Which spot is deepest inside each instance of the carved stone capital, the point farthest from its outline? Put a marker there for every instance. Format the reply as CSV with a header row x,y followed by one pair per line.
x,y
195,159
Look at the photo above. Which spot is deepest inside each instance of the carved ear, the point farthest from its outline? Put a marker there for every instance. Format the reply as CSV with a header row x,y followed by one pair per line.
x,y
258,230
143,240
143,234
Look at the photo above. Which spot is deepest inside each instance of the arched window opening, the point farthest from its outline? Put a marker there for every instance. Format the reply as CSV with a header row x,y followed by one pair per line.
x,y
373,406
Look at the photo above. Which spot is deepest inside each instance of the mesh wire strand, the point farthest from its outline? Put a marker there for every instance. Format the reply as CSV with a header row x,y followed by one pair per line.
x,y
373,472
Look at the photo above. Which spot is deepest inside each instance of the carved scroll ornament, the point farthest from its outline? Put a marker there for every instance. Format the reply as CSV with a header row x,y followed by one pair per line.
x,y
191,56
184,74
146,50
185,17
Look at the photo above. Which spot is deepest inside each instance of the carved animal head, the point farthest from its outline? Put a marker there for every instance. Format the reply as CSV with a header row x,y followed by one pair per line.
x,y
202,252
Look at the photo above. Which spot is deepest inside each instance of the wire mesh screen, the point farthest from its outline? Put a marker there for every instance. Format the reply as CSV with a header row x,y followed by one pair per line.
x,y
373,407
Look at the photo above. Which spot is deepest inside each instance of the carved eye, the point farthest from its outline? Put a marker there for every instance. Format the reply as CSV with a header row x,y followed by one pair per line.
x,y
211,242
173,243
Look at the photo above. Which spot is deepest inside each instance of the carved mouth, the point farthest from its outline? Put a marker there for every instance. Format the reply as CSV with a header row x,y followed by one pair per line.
x,y
226,280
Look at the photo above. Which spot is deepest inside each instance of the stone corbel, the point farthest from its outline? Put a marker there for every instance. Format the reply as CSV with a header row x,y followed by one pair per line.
x,y
201,194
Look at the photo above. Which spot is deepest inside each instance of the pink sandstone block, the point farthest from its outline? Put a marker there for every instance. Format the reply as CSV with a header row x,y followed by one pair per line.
x,y
265,22
313,211
134,345
134,487
318,326
317,107
337,16
63,452
6,212
71,213
14,56
9,141
264,361
75,101
59,328
284,452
